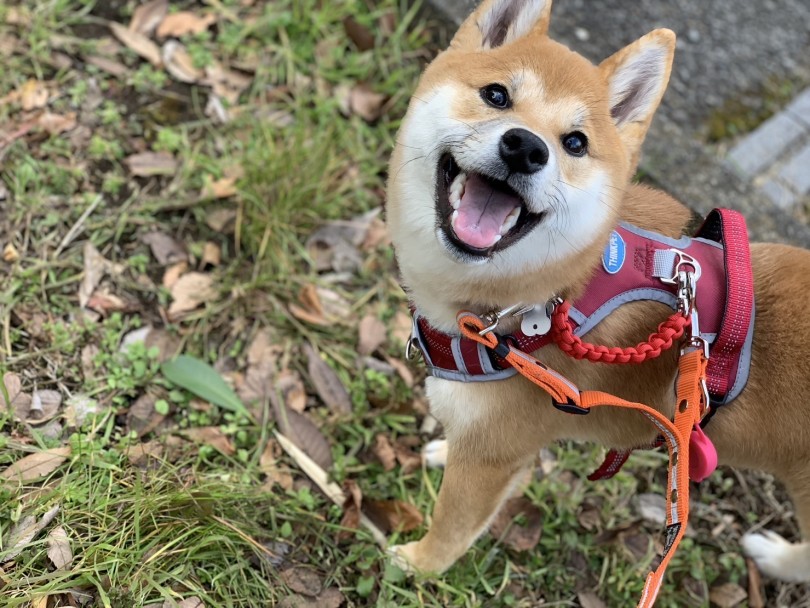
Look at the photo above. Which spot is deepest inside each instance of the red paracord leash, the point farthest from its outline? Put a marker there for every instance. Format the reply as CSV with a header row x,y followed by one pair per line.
x,y
563,335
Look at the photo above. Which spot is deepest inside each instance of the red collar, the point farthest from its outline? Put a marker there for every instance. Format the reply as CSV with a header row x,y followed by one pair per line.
x,y
635,266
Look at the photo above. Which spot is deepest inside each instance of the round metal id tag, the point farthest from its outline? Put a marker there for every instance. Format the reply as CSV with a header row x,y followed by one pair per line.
x,y
537,321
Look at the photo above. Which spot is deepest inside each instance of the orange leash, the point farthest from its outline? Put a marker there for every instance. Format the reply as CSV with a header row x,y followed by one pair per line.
x,y
691,406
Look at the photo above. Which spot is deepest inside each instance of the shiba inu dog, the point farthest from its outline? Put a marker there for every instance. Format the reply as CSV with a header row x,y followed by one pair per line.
x,y
511,170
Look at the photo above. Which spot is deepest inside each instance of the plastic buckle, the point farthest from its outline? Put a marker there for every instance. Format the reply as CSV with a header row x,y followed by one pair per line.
x,y
570,407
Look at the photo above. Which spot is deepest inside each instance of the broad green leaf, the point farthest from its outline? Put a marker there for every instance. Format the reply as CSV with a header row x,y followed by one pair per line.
x,y
204,381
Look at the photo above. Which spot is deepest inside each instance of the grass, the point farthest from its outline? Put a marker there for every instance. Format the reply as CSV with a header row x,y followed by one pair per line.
x,y
211,519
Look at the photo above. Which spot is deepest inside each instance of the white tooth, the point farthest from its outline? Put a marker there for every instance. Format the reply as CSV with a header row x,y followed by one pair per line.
x,y
510,221
455,200
497,238
454,216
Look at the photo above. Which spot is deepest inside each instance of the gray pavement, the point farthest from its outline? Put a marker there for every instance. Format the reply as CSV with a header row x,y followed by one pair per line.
x,y
727,50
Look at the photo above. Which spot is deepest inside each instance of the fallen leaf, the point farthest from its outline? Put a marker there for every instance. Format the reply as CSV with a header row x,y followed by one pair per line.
x,y
173,274
138,43
33,94
336,308
393,515
636,545
24,532
652,508
402,369
146,17
211,255
303,433
18,401
213,436
220,188
728,595
222,220
147,164
362,37
371,335
104,302
190,291
377,235
59,551
226,83
10,253
384,451
291,389
334,245
311,309
142,418
95,267
303,580
40,601
409,460
36,465
44,406
327,383
262,356
268,464
166,249
185,22
590,600
388,22
589,517
140,453
191,602
55,124
116,68
514,534
361,100
179,64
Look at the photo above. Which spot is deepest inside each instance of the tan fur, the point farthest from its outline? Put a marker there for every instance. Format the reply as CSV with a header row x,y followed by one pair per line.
x,y
494,429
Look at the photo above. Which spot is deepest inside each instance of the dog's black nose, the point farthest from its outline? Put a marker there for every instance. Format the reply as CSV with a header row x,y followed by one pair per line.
x,y
523,151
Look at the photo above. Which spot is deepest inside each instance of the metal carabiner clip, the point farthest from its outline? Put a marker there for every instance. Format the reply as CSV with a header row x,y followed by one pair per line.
x,y
493,318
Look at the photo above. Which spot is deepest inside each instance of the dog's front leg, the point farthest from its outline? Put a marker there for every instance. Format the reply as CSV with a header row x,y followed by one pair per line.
x,y
490,442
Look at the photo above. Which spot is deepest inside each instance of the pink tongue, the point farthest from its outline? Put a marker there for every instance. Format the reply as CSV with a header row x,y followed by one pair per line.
x,y
482,212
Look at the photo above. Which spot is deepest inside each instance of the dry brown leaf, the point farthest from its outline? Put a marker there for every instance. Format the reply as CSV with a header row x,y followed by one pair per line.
x,y
147,164
95,267
518,536
393,515
221,188
268,464
226,83
59,551
303,580
371,335
105,302
166,249
755,598
146,17
33,94
185,22
388,22
142,417
190,291
327,383
377,236
116,68
303,433
40,601
10,253
44,406
362,101
211,255
401,327
213,436
384,451
336,308
222,220
652,508
140,453
24,532
179,64
55,124
728,595
189,602
19,401
291,388
138,43
362,37
311,309
589,517
402,369
409,460
590,600
37,465
173,274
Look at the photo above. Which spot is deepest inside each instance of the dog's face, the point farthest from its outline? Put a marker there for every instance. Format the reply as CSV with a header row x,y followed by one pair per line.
x,y
515,151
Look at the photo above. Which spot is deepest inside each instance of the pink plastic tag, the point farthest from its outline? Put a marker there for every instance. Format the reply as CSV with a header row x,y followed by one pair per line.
x,y
702,455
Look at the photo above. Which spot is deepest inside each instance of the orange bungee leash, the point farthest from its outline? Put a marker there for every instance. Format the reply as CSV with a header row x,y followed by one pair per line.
x,y
687,445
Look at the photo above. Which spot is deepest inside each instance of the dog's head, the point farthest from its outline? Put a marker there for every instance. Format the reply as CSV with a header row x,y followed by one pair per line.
x,y
515,151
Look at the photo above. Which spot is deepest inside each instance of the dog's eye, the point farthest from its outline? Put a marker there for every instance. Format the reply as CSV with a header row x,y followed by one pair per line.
x,y
496,95
575,143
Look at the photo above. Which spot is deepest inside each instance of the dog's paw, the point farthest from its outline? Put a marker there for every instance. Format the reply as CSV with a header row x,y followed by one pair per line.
x,y
435,453
402,557
778,558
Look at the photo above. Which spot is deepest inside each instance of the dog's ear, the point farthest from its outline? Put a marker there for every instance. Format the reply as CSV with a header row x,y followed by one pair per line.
x,y
498,22
637,77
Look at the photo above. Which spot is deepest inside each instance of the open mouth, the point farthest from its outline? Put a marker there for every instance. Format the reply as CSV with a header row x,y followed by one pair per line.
x,y
478,214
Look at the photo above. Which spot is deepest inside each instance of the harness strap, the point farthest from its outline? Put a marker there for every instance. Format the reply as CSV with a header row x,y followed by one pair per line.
x,y
677,434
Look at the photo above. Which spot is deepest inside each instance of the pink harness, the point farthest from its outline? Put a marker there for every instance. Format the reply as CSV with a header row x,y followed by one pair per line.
x,y
636,265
